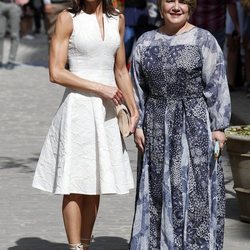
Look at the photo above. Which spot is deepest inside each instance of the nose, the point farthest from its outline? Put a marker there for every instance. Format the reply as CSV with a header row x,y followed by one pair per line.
x,y
176,6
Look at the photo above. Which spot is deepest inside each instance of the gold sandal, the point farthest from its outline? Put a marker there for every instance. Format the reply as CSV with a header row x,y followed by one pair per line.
x,y
76,246
84,244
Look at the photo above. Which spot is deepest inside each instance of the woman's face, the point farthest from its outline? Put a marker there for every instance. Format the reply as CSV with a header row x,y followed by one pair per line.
x,y
174,11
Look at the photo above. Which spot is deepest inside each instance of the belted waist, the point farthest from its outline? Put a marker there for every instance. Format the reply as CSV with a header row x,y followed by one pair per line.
x,y
175,98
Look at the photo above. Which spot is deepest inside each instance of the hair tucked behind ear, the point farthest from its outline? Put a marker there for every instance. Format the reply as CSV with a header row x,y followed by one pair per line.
x,y
108,8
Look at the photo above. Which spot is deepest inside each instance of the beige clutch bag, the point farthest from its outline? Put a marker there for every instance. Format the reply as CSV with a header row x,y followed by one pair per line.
x,y
124,119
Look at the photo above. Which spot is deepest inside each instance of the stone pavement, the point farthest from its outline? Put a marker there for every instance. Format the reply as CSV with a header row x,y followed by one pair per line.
x,y
30,219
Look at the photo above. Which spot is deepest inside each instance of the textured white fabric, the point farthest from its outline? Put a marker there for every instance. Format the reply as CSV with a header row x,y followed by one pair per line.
x,y
83,151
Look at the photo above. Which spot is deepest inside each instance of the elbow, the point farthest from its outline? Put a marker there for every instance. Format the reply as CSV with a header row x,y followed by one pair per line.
x,y
54,76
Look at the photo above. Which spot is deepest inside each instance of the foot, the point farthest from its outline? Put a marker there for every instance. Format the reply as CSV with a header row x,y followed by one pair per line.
x,y
76,246
10,66
86,243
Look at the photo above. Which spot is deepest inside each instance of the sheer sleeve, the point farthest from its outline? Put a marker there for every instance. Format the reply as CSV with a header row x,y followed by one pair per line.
x,y
216,87
139,82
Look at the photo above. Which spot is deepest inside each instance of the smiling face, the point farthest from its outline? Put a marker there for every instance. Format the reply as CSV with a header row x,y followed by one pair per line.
x,y
174,12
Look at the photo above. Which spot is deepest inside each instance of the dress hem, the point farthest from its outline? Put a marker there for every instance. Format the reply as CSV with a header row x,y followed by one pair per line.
x,y
83,193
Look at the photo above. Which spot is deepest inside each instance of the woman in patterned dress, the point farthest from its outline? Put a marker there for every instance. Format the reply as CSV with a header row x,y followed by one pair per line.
x,y
184,105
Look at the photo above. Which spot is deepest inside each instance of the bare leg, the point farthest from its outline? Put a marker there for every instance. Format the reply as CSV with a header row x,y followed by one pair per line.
x,y
79,215
233,45
90,205
71,210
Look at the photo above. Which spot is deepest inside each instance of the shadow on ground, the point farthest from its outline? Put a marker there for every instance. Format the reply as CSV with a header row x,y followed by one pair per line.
x,y
99,243
23,164
232,209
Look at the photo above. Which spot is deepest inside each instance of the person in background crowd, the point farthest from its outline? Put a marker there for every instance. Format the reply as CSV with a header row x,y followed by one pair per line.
x,y
119,4
234,41
211,15
10,13
136,23
84,154
154,17
246,42
51,10
36,7
184,104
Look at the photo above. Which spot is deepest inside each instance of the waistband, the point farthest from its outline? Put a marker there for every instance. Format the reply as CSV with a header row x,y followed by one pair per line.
x,y
175,98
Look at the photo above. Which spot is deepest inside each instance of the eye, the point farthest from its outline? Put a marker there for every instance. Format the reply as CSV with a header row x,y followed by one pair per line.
x,y
183,1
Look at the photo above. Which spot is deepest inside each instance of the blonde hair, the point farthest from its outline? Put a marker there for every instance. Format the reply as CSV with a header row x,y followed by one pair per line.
x,y
191,5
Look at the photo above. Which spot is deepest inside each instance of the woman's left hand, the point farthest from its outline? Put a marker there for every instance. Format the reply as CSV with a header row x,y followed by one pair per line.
x,y
220,137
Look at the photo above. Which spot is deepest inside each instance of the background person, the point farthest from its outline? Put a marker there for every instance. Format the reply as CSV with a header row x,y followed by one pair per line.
x,y
234,42
136,21
10,13
183,98
211,15
246,42
51,10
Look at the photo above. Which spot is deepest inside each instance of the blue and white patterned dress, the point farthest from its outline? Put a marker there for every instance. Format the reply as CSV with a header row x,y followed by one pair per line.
x,y
181,87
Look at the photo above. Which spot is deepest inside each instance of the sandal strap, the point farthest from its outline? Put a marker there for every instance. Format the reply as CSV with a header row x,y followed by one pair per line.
x,y
85,245
76,246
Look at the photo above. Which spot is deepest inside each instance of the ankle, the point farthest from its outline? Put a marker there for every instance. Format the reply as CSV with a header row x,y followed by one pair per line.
x,y
85,243
78,246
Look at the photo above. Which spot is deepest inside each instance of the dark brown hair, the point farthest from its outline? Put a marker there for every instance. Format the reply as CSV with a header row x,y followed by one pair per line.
x,y
78,5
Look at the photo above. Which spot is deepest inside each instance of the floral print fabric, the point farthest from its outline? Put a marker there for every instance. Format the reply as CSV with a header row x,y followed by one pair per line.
x,y
182,95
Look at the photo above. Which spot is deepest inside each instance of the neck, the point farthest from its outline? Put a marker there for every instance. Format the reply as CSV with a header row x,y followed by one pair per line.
x,y
171,29
93,7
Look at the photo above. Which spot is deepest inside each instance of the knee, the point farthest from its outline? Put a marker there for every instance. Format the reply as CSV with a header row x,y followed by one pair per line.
x,y
72,197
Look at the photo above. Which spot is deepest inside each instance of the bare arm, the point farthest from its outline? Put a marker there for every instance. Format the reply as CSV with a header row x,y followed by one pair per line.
x,y
58,59
122,77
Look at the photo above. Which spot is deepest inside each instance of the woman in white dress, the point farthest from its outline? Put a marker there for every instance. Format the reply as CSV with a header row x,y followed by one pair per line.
x,y
84,155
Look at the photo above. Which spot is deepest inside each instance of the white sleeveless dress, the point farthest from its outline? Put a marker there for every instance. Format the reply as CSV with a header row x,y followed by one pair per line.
x,y
83,151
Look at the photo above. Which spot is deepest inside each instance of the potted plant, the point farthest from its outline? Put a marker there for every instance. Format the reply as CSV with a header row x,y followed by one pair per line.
x,y
238,147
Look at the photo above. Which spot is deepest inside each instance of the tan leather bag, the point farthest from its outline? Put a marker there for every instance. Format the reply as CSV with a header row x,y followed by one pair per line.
x,y
124,120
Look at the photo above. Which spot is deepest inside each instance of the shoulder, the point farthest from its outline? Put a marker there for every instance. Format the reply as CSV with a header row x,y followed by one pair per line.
x,y
204,37
65,17
146,37
64,23
146,40
208,43
121,18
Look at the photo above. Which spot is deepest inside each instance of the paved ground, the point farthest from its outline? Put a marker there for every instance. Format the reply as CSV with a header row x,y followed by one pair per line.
x,y
30,219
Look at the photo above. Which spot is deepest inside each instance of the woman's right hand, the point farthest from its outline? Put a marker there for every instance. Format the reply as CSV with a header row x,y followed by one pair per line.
x,y
139,139
111,93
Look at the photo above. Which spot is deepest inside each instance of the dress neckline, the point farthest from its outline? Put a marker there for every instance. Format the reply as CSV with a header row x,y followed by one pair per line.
x,y
101,34
175,35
